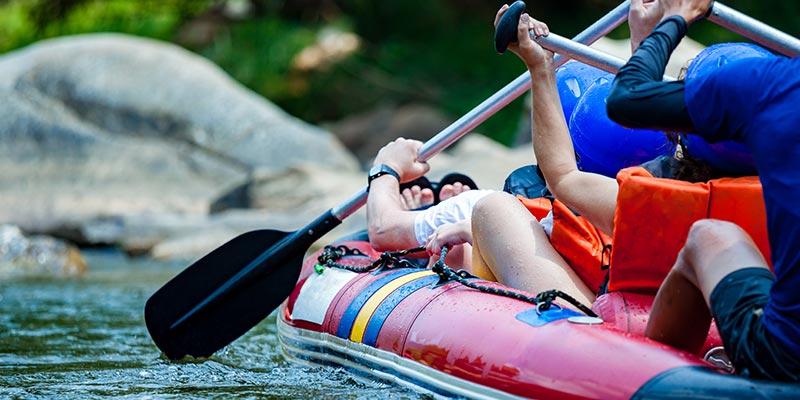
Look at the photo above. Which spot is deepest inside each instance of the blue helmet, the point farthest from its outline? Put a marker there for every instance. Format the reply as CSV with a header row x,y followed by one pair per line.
x,y
603,146
717,55
730,156
573,79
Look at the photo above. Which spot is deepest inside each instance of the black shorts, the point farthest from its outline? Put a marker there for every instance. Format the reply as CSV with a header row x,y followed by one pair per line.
x,y
737,304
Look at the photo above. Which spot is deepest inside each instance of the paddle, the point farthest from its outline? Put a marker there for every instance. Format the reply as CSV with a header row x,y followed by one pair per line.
x,y
188,315
224,294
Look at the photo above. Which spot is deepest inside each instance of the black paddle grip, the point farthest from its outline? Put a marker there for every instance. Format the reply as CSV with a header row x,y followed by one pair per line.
x,y
506,30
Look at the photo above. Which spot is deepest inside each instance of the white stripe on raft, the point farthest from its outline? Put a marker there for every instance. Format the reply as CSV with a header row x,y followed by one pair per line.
x,y
318,293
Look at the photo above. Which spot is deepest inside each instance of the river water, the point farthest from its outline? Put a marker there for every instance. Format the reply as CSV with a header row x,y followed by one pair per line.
x,y
86,338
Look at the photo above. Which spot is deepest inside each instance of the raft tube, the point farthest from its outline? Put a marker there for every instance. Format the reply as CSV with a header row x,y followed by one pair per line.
x,y
408,327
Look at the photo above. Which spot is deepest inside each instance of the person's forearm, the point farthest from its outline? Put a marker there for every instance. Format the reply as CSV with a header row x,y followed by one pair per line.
x,y
552,144
592,195
389,225
639,98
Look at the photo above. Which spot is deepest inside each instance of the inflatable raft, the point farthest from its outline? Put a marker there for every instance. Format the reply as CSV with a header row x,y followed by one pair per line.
x,y
414,327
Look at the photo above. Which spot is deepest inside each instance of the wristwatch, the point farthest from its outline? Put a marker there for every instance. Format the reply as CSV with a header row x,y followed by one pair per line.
x,y
380,170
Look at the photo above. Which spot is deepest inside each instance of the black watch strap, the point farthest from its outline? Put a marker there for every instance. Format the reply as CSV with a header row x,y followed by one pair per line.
x,y
380,170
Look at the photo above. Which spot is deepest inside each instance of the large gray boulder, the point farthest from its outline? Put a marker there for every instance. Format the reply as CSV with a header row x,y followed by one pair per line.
x,y
104,125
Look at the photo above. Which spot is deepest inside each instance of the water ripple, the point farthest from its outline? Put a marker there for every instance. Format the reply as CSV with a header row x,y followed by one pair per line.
x,y
86,338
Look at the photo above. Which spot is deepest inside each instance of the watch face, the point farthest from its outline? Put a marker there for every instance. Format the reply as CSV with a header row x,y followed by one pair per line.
x,y
374,170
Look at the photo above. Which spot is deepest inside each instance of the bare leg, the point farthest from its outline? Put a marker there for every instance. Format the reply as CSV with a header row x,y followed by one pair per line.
x,y
479,266
680,315
511,243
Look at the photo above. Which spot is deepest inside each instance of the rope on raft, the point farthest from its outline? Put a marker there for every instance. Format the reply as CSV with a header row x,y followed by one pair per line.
x,y
391,259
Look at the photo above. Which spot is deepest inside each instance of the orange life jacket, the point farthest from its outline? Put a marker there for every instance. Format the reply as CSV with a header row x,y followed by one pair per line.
x,y
583,247
654,215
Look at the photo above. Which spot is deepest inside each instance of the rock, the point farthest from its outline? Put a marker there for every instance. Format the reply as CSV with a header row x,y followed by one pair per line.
x,y
367,132
171,237
220,228
295,199
105,125
305,187
37,256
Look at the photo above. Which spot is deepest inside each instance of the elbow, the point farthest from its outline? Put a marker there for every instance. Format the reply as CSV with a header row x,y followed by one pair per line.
x,y
626,107
619,104
381,236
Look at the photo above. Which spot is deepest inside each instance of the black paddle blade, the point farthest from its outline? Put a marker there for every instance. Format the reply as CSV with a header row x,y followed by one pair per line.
x,y
506,30
231,315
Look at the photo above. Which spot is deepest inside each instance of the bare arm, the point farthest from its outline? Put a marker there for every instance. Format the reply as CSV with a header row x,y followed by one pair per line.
x,y
593,196
389,224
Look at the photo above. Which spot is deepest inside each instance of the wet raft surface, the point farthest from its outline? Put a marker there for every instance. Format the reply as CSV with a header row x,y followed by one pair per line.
x,y
86,338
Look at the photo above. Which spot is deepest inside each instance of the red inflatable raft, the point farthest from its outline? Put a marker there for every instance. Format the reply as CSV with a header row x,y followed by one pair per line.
x,y
411,327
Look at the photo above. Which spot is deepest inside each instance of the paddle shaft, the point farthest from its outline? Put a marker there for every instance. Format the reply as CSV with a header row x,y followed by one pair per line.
x,y
754,30
719,14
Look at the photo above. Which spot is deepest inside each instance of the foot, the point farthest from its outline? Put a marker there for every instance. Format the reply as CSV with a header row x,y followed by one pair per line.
x,y
451,190
416,197
451,185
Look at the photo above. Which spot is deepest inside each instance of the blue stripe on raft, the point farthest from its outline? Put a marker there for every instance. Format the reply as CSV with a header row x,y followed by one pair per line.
x,y
349,316
386,307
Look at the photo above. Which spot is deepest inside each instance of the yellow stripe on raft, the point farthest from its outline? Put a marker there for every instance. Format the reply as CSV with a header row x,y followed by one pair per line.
x,y
363,317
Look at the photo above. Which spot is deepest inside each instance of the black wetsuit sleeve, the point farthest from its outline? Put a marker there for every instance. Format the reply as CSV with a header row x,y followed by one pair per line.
x,y
639,98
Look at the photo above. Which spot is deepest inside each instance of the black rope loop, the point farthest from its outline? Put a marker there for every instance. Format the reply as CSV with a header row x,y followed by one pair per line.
x,y
389,259
543,301
546,299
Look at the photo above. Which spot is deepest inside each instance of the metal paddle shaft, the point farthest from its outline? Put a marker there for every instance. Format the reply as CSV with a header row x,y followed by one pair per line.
x,y
754,30
224,294
719,14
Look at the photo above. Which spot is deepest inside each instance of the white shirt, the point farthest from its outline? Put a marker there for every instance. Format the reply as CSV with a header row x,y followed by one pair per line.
x,y
455,209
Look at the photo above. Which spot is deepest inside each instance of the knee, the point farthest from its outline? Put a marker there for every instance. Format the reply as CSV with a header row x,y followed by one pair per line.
x,y
709,236
494,205
713,232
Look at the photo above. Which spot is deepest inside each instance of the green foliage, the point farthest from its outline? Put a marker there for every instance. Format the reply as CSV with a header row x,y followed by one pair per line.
x,y
25,21
436,52
258,53
16,28
438,67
